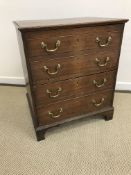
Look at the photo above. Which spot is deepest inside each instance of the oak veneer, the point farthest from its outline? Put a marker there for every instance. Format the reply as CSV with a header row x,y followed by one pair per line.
x,y
70,68
71,40
72,88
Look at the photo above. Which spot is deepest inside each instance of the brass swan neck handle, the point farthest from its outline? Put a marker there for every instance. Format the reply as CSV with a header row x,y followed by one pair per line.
x,y
45,47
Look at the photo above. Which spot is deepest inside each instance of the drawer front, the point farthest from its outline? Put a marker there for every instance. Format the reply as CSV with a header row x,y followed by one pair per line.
x,y
74,107
65,68
60,42
51,47
72,88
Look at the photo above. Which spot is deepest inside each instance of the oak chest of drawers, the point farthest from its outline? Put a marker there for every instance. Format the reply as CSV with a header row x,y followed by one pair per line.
x,y
70,68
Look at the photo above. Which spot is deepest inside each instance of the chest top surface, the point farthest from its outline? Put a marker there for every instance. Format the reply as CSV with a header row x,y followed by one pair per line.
x,y
76,22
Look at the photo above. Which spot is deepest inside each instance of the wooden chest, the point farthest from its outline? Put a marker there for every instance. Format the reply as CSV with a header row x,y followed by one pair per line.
x,y
70,68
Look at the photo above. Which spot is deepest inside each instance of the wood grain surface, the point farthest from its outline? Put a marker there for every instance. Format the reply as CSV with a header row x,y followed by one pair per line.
x,y
74,107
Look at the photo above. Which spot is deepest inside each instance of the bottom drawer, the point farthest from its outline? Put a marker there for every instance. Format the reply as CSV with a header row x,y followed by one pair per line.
x,y
74,107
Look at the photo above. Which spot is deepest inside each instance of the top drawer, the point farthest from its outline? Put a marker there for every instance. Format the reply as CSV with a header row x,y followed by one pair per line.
x,y
67,42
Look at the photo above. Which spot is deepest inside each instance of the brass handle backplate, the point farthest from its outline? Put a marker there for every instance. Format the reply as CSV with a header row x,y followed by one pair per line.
x,y
51,92
57,45
52,73
100,42
100,64
97,104
99,85
52,115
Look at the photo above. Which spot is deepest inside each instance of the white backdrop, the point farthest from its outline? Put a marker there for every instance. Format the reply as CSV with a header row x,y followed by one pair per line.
x,y
10,61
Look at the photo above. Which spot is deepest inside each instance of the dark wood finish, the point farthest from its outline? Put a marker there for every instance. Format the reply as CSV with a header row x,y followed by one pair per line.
x,y
74,107
104,113
73,40
72,67
40,134
78,68
109,115
64,23
28,79
73,88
